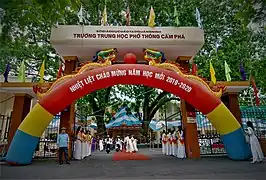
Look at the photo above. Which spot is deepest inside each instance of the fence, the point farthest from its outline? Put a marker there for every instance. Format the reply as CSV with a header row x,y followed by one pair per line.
x,y
47,147
4,127
209,139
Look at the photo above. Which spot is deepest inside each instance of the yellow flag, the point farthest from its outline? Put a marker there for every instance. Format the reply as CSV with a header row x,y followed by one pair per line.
x,y
104,17
21,74
212,72
42,72
151,22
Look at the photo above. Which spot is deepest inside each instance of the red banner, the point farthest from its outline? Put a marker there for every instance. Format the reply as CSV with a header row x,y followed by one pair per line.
x,y
99,78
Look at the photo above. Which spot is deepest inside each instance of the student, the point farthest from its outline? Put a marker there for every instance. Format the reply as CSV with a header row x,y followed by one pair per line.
x,y
119,143
257,155
135,143
181,152
174,143
101,144
89,140
108,142
164,143
77,146
83,143
126,141
62,143
169,143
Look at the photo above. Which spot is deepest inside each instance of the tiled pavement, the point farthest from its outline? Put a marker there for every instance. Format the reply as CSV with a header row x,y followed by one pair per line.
x,y
101,166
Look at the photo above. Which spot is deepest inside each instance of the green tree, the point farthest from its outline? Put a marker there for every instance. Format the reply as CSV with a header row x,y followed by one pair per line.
x,y
252,11
96,104
26,27
147,99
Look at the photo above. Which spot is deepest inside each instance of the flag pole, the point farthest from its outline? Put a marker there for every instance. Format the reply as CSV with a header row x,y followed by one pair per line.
x,y
252,103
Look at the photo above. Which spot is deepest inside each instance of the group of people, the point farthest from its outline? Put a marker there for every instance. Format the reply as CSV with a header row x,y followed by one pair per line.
x,y
173,143
129,144
82,144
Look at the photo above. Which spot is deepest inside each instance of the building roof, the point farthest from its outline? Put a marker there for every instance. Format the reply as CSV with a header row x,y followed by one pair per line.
x,y
85,41
122,117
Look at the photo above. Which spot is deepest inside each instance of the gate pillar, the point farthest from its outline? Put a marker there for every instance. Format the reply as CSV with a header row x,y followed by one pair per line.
x,y
231,102
67,117
190,130
21,108
189,119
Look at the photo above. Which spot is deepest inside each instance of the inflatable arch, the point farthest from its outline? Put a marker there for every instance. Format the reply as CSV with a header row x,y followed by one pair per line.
x,y
26,138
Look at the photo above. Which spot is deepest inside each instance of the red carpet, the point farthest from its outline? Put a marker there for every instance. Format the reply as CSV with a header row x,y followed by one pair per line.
x,y
122,156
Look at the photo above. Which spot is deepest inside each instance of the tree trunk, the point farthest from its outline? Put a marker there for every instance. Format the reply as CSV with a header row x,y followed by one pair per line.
x,y
145,124
151,111
101,129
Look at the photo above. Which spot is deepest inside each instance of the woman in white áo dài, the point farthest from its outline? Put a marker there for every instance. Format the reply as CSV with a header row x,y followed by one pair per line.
x,y
89,140
169,143
174,143
77,144
83,144
101,144
181,151
134,141
257,155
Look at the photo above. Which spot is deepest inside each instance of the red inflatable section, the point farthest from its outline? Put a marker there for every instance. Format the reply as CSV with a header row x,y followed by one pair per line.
x,y
193,92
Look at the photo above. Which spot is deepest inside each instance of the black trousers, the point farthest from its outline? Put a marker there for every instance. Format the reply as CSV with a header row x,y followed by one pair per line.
x,y
61,151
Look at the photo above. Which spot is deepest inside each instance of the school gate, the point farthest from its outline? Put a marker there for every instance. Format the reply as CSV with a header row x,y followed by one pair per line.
x,y
182,42
26,138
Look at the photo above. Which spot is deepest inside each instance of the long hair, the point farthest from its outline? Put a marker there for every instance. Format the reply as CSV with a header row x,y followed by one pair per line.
x,y
78,130
179,128
249,124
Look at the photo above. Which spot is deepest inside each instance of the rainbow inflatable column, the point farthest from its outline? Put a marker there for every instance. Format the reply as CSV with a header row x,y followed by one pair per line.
x,y
231,133
27,136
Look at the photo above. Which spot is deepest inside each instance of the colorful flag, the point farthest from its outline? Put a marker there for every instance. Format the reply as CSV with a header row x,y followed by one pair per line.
x,y
21,73
212,72
255,89
60,71
243,73
227,71
6,72
198,19
177,22
151,22
128,18
42,72
104,17
194,69
80,14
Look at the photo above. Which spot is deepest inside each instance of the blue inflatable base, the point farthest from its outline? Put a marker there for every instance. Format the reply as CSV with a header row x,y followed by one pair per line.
x,y
236,146
21,149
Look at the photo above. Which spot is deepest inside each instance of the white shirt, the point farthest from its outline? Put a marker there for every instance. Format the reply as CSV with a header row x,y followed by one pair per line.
x,y
108,141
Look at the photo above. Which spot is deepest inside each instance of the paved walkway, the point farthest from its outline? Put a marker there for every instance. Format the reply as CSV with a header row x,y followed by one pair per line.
x,y
101,166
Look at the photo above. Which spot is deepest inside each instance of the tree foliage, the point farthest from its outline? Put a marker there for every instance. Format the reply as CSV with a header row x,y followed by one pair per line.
x,y
26,27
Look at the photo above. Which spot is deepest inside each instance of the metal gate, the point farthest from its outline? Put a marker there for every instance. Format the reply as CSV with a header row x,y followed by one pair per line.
x,y
209,139
4,130
4,127
47,147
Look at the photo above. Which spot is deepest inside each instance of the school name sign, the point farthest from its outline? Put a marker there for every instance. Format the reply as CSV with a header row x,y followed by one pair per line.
x,y
109,34
127,74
